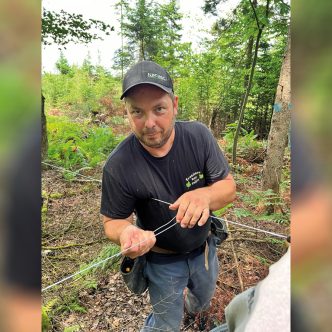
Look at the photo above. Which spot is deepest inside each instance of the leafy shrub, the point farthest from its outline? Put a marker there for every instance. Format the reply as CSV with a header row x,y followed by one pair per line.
x,y
259,205
81,89
117,120
248,147
71,304
76,145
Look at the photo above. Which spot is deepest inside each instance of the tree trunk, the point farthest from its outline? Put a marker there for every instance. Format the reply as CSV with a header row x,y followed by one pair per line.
x,y
44,142
245,98
248,63
212,122
141,50
279,128
246,95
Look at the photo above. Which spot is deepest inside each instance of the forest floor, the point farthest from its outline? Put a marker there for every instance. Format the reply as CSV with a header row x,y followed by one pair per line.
x,y
73,235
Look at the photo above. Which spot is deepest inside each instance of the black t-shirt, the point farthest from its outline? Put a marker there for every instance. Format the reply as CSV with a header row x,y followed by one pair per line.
x,y
132,177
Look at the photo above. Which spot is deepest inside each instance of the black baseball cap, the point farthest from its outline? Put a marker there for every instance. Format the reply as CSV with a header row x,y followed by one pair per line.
x,y
147,72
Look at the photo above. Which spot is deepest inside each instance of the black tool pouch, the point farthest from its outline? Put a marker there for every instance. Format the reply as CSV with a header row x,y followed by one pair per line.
x,y
219,229
132,271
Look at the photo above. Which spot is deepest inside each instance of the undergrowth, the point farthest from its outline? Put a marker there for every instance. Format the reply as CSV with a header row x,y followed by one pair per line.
x,y
263,206
248,147
77,145
69,301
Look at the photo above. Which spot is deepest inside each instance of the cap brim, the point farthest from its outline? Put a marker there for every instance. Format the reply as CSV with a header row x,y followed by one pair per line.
x,y
168,90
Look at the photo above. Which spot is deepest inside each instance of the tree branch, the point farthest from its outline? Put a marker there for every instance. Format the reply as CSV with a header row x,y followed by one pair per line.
x,y
256,18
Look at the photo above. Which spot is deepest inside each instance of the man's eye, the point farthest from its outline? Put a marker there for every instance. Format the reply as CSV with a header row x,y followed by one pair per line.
x,y
135,112
160,110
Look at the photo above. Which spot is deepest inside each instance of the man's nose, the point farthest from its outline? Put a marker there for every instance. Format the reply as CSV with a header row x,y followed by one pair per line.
x,y
150,120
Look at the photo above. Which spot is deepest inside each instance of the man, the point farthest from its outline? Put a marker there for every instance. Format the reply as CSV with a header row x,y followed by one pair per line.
x,y
177,162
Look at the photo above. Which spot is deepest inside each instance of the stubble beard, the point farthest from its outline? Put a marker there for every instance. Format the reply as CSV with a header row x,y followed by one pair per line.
x,y
159,143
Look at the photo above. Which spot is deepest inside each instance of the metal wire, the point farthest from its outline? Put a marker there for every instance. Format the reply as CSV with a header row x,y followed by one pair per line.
x,y
235,223
72,172
113,256
137,244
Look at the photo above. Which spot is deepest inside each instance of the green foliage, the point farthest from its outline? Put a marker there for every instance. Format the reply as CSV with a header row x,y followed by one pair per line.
x,y
223,210
258,206
117,120
62,65
86,90
71,304
255,197
63,28
210,6
263,260
279,218
276,241
74,145
56,195
73,328
242,213
45,206
249,147
90,283
46,315
151,31
106,252
210,83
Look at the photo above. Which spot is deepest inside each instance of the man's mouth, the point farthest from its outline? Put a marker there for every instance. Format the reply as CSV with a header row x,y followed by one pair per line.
x,y
151,134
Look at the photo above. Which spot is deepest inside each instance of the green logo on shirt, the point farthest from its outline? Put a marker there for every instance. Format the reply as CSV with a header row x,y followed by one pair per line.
x,y
194,178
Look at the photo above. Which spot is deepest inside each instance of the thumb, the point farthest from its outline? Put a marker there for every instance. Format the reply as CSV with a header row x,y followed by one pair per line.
x,y
175,205
127,244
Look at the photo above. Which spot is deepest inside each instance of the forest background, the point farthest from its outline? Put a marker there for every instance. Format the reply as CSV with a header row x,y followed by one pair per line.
x,y
232,82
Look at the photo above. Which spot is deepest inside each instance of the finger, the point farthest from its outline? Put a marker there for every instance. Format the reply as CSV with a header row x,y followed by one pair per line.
x,y
135,243
196,216
188,215
126,245
147,242
152,238
150,241
175,205
182,210
204,217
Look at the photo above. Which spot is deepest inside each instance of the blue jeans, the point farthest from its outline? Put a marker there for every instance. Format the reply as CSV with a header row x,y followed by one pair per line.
x,y
168,277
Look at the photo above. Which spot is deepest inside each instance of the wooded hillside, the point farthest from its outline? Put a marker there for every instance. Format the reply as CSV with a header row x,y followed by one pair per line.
x,y
232,84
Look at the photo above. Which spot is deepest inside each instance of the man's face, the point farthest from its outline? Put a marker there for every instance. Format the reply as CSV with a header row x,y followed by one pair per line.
x,y
151,113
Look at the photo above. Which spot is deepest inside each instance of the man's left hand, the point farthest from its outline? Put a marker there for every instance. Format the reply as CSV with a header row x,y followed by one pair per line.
x,y
193,207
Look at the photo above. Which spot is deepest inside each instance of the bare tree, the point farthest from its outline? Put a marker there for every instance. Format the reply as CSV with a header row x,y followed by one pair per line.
x,y
279,130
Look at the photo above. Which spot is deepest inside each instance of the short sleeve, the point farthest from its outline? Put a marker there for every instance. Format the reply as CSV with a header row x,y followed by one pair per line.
x,y
216,165
116,202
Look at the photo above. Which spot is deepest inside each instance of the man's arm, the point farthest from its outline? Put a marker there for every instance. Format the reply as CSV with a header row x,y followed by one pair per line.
x,y
124,233
194,206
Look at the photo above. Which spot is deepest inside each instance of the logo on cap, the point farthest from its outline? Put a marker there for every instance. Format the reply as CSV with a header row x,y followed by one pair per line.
x,y
153,75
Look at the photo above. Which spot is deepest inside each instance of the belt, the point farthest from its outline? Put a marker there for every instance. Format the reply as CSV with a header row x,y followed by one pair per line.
x,y
168,256
166,251
162,251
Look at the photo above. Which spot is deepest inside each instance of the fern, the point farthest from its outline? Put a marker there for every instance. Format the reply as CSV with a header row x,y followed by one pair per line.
x,y
46,320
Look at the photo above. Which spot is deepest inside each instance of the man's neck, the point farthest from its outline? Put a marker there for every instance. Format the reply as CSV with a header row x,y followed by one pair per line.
x,y
162,151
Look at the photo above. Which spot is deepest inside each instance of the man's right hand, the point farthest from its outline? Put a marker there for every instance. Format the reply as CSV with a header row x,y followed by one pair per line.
x,y
137,241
